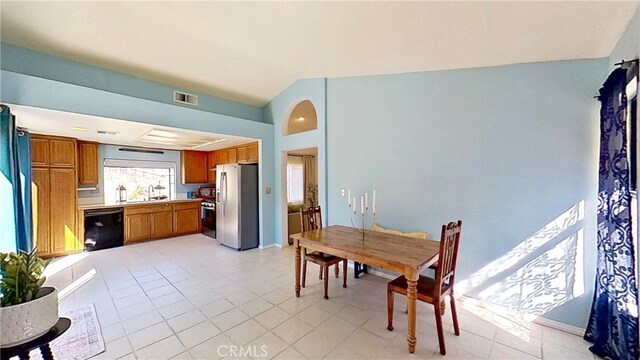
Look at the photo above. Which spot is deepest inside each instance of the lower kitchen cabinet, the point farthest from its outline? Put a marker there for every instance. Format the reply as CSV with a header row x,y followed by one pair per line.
x,y
161,224
187,220
137,227
156,221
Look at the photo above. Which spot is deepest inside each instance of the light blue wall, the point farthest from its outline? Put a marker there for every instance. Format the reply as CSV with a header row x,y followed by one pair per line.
x,y
30,62
39,92
112,152
506,149
277,112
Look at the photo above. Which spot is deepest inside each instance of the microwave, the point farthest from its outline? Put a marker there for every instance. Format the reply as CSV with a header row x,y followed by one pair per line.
x,y
206,191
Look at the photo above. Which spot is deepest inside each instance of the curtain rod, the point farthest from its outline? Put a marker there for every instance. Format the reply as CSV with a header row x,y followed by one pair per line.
x,y
626,64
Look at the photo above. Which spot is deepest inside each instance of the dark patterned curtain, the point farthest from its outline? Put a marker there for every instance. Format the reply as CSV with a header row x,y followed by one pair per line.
x,y
613,323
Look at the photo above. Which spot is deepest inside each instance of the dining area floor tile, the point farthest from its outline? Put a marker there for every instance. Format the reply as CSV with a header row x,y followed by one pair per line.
x,y
189,297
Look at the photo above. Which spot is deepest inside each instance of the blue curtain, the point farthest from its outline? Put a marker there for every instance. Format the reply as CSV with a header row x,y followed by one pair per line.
x,y
15,185
613,323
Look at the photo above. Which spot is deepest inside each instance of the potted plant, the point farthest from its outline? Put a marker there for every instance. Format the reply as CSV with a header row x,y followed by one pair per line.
x,y
27,310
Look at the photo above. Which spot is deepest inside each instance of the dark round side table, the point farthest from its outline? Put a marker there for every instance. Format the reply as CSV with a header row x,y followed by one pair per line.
x,y
42,342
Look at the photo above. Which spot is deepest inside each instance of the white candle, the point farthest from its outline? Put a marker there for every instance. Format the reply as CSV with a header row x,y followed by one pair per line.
x,y
349,197
366,200
354,204
374,202
362,204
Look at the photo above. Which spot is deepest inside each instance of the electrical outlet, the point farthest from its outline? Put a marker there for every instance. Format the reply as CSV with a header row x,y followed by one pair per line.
x,y
342,192
268,190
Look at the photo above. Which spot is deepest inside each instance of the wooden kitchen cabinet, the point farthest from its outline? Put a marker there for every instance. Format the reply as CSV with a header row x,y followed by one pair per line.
x,y
54,195
63,210
161,224
186,218
243,154
39,151
222,157
193,167
211,167
137,227
252,149
62,152
87,163
232,156
161,220
41,210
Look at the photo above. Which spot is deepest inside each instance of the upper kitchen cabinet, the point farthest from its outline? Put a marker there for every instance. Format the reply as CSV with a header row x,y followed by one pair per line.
x,y
53,151
39,151
243,154
87,163
222,157
211,167
232,155
193,167
252,149
62,152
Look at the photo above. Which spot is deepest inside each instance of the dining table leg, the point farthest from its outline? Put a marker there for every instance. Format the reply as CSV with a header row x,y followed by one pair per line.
x,y
412,282
297,244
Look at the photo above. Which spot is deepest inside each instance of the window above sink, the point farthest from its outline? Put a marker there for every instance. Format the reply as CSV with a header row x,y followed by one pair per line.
x,y
143,180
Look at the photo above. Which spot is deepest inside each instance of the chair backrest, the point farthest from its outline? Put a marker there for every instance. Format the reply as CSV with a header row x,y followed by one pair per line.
x,y
311,218
449,241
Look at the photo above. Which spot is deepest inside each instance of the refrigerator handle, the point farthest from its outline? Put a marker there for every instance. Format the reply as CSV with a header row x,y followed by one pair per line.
x,y
218,190
224,192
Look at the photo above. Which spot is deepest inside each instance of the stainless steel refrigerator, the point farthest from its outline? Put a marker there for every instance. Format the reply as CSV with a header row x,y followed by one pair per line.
x,y
237,205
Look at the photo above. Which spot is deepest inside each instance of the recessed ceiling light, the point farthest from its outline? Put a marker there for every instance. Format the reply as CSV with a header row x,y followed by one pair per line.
x,y
77,128
301,118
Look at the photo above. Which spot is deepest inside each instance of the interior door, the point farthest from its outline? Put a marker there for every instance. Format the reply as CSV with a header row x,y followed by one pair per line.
x,y
231,238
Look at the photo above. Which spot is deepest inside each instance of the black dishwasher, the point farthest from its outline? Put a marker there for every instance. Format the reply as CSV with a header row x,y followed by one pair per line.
x,y
103,229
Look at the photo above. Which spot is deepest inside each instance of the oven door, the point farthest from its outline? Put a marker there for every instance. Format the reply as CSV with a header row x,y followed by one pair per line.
x,y
209,221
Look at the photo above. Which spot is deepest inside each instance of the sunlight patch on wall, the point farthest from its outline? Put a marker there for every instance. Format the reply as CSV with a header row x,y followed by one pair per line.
x,y
542,284
522,250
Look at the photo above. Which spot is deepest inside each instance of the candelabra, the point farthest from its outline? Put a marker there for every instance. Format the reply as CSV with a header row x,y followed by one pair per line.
x,y
360,221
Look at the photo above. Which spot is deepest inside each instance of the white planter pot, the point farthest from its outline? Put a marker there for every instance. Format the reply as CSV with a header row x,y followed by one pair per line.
x,y
24,322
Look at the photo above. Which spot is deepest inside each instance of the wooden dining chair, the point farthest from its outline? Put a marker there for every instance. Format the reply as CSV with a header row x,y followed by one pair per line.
x,y
434,291
311,219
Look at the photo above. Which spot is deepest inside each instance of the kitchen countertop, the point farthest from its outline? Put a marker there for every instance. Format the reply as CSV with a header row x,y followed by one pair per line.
x,y
117,205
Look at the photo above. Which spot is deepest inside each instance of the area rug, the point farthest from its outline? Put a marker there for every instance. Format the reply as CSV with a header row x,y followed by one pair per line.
x,y
83,339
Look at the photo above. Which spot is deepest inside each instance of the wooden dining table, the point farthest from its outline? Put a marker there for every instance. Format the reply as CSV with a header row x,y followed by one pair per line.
x,y
405,255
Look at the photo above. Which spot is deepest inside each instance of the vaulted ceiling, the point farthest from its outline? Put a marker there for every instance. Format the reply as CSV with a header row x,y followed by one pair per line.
x,y
250,51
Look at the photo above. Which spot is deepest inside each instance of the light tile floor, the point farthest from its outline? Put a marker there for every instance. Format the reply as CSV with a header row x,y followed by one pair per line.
x,y
190,298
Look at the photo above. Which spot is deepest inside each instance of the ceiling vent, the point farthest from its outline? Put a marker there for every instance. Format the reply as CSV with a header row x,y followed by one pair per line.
x,y
185,98
141,150
107,132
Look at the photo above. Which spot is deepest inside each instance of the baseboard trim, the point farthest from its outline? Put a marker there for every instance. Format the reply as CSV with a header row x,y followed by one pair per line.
x,y
575,330
278,245
266,246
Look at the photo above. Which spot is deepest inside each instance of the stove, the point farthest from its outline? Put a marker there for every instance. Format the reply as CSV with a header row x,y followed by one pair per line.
x,y
208,207
208,204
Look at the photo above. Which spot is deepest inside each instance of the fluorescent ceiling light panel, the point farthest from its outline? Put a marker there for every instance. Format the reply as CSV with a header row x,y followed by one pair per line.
x,y
177,139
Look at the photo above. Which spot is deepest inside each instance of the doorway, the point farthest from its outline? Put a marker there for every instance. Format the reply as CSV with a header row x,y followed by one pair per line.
x,y
300,177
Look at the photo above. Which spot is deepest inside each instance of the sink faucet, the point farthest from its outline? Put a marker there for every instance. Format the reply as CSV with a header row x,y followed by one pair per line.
x,y
149,192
